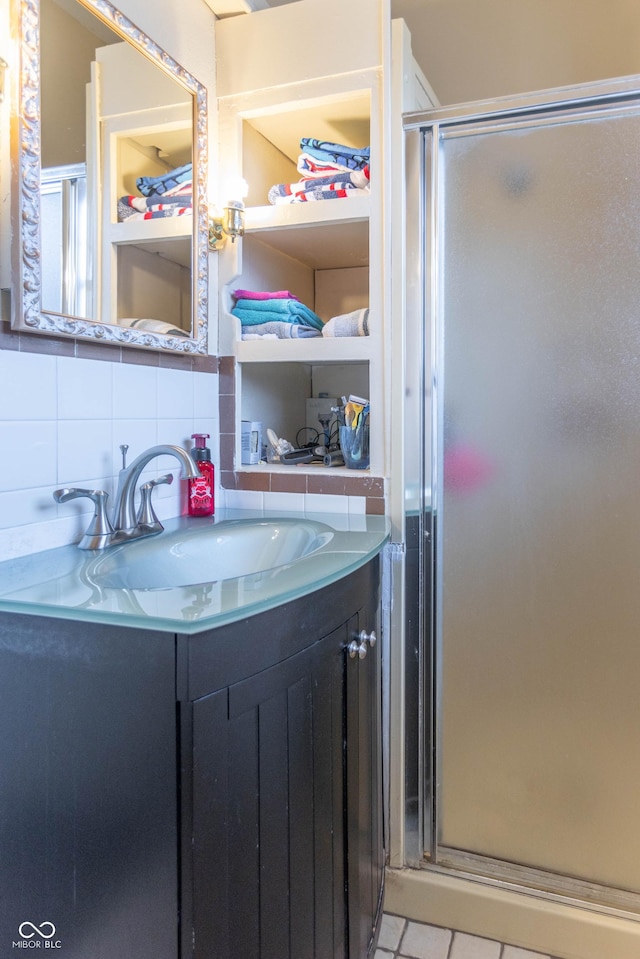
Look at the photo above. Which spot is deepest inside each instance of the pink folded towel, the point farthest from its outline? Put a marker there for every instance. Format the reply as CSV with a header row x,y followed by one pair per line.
x,y
255,295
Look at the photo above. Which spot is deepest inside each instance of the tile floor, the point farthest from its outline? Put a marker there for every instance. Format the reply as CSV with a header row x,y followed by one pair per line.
x,y
404,939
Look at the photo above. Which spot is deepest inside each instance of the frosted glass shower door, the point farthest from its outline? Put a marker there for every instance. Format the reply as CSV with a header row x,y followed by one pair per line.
x,y
538,526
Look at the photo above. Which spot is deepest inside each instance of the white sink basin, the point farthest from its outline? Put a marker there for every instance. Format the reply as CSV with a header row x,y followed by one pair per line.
x,y
205,554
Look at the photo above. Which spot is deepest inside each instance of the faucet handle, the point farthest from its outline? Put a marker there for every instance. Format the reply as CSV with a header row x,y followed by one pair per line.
x,y
146,513
99,531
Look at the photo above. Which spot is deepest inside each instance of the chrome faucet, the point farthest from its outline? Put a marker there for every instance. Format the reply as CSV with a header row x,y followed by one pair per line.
x,y
126,525
124,513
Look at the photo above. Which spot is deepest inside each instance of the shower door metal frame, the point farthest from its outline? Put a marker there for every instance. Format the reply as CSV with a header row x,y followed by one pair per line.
x,y
423,134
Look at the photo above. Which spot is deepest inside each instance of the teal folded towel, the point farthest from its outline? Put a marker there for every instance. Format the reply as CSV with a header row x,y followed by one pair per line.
x,y
251,312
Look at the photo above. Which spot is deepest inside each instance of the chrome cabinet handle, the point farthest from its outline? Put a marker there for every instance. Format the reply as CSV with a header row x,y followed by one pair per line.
x,y
357,649
366,637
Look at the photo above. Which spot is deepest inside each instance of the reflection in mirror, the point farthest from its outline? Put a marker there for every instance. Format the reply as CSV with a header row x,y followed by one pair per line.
x,y
111,201
67,248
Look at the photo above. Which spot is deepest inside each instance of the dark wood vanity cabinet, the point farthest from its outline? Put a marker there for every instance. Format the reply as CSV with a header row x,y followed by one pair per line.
x,y
88,799
214,796
363,806
268,842
285,851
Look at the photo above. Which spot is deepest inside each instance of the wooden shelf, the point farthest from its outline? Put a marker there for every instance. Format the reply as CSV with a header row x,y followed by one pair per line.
x,y
325,234
170,238
143,231
342,349
314,213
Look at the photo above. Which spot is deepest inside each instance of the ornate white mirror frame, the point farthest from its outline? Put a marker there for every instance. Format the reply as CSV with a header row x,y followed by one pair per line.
x,y
27,312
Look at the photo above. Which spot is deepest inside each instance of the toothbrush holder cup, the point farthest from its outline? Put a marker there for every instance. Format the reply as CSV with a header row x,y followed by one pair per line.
x,y
354,444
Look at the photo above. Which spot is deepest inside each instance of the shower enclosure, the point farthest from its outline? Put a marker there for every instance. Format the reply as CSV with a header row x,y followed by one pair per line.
x,y
523,254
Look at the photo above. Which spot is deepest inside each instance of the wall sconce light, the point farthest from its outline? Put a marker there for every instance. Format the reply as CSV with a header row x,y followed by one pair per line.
x,y
3,67
230,224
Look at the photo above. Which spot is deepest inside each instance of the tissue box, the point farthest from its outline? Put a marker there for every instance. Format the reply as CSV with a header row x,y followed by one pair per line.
x,y
250,442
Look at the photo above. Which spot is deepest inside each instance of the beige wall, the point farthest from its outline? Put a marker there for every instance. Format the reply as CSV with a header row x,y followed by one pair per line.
x,y
67,51
477,49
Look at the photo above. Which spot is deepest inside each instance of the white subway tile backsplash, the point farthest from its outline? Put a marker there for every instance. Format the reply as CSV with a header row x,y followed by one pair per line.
x,y
85,389
175,394
323,503
27,386
29,454
171,500
137,434
24,506
176,432
205,393
62,420
84,450
135,393
244,499
22,540
284,501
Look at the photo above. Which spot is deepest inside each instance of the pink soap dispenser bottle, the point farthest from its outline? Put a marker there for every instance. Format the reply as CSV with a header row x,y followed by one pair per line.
x,y
201,498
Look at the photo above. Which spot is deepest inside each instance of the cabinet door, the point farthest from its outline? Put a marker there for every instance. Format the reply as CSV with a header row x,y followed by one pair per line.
x,y
268,837
88,808
365,843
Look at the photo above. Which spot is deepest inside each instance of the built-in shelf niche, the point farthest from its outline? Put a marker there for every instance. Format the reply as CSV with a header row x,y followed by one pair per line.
x,y
319,250
271,137
276,395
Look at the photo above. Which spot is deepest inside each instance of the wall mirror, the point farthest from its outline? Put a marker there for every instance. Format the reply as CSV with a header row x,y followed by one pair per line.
x,y
110,151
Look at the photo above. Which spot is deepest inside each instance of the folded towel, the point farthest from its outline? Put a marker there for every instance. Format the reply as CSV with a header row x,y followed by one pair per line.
x,y
254,318
355,323
320,194
255,295
278,329
185,186
142,203
354,158
337,181
174,205
309,166
251,312
155,212
155,185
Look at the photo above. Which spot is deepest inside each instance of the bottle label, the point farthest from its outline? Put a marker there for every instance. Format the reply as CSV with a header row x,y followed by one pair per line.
x,y
200,494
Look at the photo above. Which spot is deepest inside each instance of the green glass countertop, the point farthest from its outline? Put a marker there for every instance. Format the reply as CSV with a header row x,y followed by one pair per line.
x,y
57,582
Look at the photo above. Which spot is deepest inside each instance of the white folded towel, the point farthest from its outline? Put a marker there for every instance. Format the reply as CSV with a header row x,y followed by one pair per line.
x,y
355,323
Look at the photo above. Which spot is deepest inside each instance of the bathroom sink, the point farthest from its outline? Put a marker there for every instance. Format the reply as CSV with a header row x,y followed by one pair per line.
x,y
205,554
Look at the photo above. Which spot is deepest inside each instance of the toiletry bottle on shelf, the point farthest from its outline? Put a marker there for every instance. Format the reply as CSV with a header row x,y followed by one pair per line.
x,y
201,496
